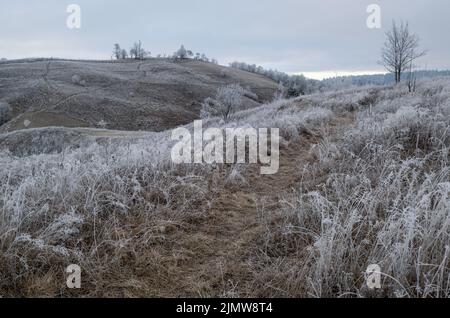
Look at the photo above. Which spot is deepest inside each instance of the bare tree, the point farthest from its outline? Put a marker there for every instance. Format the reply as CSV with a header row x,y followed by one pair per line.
x,y
117,51
400,50
227,100
181,54
204,58
124,54
137,51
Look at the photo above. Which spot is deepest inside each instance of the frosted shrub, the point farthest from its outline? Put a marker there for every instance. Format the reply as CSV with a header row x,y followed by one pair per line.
x,y
249,94
225,103
77,80
63,228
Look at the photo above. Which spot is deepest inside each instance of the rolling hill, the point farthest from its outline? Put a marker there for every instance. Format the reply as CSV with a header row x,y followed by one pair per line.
x,y
149,95
363,179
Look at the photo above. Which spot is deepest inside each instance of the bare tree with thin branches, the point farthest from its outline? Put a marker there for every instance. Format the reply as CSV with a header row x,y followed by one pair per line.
x,y
400,50
123,54
117,51
138,52
226,102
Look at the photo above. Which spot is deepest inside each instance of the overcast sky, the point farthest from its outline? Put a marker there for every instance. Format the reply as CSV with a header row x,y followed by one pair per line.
x,y
317,37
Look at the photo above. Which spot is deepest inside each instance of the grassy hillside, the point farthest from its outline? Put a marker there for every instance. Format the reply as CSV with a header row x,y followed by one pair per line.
x,y
364,179
151,95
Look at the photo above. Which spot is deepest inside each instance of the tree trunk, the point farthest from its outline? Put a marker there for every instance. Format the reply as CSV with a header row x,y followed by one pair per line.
x,y
398,76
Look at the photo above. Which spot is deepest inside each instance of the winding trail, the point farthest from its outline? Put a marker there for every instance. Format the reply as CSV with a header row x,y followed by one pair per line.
x,y
216,255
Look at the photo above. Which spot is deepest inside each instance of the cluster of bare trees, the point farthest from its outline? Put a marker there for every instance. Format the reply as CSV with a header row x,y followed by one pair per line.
x,y
400,51
136,52
183,53
294,85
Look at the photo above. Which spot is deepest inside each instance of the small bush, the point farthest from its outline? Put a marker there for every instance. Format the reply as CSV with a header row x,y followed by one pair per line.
x,y
226,102
77,80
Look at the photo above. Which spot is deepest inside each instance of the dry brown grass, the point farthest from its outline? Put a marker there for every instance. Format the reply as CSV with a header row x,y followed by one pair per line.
x,y
151,95
353,189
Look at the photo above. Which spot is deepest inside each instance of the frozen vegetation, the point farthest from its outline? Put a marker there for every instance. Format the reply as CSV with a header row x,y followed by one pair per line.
x,y
373,188
151,94
384,199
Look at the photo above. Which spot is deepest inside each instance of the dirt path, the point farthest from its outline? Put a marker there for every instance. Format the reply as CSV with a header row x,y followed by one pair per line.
x,y
215,256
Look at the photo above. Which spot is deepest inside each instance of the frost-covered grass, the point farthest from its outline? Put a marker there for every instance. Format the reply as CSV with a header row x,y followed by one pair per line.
x,y
384,199
377,192
292,117
100,206
108,206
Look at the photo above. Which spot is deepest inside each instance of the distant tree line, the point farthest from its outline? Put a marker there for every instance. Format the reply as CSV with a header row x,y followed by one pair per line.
x,y
376,79
138,52
183,53
293,85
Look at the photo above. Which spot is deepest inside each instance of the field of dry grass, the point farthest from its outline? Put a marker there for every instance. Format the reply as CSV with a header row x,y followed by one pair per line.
x,y
151,95
363,179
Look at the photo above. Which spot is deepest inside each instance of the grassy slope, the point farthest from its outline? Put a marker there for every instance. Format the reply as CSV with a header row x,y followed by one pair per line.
x,y
363,179
152,95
